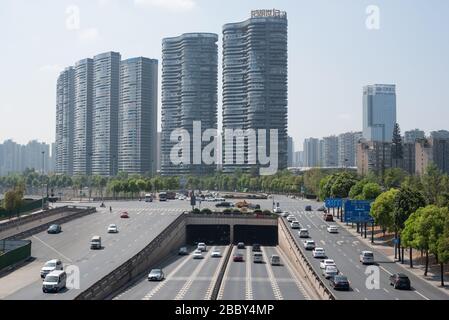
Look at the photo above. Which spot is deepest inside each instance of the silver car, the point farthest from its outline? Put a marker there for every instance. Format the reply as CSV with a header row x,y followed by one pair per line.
x,y
156,275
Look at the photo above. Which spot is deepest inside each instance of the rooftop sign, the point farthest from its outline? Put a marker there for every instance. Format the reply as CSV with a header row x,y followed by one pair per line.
x,y
268,13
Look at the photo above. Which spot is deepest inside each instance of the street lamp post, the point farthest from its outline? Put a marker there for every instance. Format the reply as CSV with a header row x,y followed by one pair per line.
x,y
42,179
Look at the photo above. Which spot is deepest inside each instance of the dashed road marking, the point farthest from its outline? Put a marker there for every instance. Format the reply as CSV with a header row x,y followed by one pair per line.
x,y
248,287
273,282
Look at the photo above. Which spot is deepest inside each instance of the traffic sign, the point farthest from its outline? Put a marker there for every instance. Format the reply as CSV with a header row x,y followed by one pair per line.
x,y
358,211
333,202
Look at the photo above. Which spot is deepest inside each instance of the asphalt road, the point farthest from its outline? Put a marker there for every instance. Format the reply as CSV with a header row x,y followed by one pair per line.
x,y
146,221
345,248
260,281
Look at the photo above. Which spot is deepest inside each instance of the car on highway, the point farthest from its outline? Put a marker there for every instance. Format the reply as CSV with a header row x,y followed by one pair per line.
x,y
95,242
51,265
330,271
124,214
366,257
309,244
275,260
54,281
201,246
112,228
215,253
198,254
321,208
238,257
285,214
257,257
308,208
240,245
54,228
291,218
339,282
183,251
156,275
224,204
277,210
400,281
295,224
319,253
328,217
256,247
326,262
303,233
332,229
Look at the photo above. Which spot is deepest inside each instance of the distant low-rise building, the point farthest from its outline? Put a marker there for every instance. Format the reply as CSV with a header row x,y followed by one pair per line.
x,y
373,156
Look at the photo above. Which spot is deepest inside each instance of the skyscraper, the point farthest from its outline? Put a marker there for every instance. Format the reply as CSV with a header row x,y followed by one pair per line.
x,y
347,149
379,112
65,105
137,123
82,141
105,113
311,152
189,94
255,84
330,151
290,152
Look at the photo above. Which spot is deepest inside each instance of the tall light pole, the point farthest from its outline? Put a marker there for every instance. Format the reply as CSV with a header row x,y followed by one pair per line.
x,y
42,179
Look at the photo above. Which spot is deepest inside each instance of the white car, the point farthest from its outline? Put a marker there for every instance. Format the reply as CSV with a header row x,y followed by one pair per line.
x,y
51,265
202,246
215,254
285,214
290,218
197,254
366,257
277,210
332,229
112,228
330,271
303,233
309,244
319,253
295,225
326,262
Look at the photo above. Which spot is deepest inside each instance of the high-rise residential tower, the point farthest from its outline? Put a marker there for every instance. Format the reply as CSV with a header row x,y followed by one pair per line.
x,y
65,105
105,114
330,151
82,141
189,94
379,112
311,152
137,123
347,149
255,85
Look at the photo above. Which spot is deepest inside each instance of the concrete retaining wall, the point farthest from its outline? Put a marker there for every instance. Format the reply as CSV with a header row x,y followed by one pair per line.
x,y
15,252
290,246
23,227
168,240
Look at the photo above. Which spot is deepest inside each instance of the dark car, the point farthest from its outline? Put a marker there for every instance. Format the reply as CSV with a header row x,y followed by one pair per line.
x,y
238,257
400,281
240,245
54,228
339,282
308,208
328,217
256,247
223,204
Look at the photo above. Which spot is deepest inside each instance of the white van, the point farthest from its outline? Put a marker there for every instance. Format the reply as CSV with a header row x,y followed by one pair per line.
x,y
51,265
95,243
257,257
54,281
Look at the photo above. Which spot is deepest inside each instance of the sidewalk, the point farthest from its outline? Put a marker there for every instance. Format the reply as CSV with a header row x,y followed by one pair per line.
x,y
433,274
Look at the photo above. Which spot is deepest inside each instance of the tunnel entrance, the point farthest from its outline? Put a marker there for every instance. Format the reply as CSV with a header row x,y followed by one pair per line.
x,y
210,234
263,235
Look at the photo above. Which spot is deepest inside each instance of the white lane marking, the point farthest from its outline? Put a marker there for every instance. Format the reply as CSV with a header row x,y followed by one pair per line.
x,y
274,285
248,287
386,270
386,290
422,295
356,289
192,277
53,249
290,269
323,242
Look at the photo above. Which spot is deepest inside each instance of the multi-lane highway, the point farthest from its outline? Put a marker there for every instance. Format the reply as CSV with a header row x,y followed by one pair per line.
x,y
344,248
71,246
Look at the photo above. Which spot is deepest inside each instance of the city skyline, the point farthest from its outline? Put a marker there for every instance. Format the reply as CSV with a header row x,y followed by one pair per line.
x,y
410,44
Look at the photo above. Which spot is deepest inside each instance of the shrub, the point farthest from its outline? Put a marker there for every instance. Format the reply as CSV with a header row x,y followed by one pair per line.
x,y
206,211
196,211
266,212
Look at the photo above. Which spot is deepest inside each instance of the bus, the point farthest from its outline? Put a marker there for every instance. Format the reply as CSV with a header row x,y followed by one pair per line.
x,y
148,197
162,196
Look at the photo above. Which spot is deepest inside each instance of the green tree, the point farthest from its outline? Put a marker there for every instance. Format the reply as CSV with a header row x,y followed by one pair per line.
x,y
382,208
432,183
396,147
371,191
343,183
394,177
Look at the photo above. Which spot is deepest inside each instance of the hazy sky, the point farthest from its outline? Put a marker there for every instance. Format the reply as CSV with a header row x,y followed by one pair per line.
x,y
332,55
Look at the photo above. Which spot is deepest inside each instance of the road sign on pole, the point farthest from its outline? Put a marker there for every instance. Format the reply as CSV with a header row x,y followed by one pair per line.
x,y
333,203
358,211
